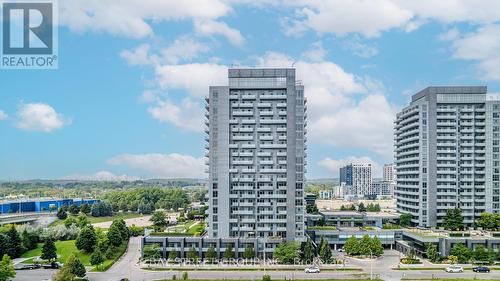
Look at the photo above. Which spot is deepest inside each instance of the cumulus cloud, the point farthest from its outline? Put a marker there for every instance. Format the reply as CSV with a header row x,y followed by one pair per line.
x,y
333,165
212,27
39,117
157,165
360,49
139,55
184,48
131,18
101,176
339,101
316,52
3,115
481,46
187,115
194,77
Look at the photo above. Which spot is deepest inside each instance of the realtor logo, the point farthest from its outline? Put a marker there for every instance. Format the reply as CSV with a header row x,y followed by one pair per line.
x,y
29,35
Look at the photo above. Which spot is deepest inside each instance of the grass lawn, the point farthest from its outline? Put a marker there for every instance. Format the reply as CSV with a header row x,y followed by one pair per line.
x,y
103,219
66,248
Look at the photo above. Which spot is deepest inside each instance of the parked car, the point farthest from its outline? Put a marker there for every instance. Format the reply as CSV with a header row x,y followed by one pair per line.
x,y
454,269
22,266
481,269
53,265
312,269
341,250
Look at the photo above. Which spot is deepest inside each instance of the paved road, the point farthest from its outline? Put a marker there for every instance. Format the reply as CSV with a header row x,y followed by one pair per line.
x,y
127,267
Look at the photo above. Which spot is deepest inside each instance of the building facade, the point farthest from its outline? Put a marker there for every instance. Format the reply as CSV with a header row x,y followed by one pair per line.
x,y
388,173
357,179
256,155
447,154
383,188
40,204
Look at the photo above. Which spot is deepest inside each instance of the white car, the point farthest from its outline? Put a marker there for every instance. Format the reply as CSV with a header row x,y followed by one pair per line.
x,y
454,269
313,269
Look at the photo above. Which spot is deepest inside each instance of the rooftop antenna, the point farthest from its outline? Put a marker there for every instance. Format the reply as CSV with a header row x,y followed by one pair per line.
x,y
293,63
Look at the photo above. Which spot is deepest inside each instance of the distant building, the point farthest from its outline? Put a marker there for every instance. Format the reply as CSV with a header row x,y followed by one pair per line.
x,y
357,178
388,173
40,204
325,194
383,188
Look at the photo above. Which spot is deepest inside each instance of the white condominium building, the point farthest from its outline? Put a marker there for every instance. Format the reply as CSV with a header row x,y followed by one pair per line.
x,y
388,173
447,154
256,155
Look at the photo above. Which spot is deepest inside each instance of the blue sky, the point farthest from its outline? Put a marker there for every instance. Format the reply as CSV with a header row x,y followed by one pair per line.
x,y
127,99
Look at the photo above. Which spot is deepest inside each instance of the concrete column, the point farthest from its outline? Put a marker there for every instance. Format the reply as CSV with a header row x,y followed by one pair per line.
x,y
237,248
182,247
200,247
217,248
164,245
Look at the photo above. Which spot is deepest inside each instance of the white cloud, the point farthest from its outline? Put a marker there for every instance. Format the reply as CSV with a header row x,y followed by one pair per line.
x,y
194,77
139,56
333,165
359,49
482,46
342,17
132,18
344,110
187,115
39,117
316,52
184,48
212,27
162,165
3,115
101,176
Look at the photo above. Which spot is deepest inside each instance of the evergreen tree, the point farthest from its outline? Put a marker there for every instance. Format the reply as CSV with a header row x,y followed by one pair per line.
x,y
73,209
192,254
29,239
86,239
229,253
432,253
361,207
4,244
85,209
308,251
405,220
96,258
376,246
249,252
172,255
211,255
453,219
6,268
75,266
61,214
114,235
49,251
462,253
16,247
325,252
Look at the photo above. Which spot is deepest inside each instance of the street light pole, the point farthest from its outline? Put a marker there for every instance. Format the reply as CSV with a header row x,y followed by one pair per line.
x,y
371,265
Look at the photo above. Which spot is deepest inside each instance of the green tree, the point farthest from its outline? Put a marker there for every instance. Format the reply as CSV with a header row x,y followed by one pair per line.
x,y
211,255
481,254
75,266
70,221
308,251
365,245
432,252
96,258
229,253
61,214
172,255
114,235
73,209
352,207
287,252
29,240
16,248
343,208
152,251
85,209
325,252
192,254
405,220
7,271
361,207
120,225
159,219
462,253
249,252
49,251
376,246
83,221
351,246
453,219
86,239
488,221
